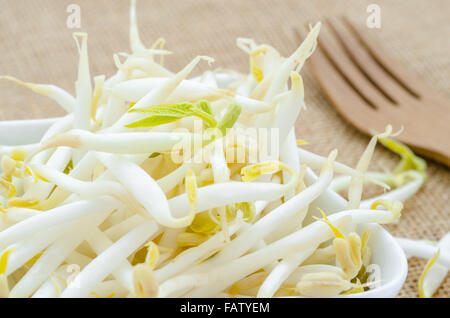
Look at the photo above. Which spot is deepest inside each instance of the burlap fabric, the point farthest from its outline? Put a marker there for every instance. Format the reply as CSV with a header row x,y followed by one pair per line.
x,y
37,45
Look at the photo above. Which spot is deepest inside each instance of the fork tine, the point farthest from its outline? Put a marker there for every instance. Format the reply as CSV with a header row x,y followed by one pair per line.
x,y
410,81
346,100
343,63
369,66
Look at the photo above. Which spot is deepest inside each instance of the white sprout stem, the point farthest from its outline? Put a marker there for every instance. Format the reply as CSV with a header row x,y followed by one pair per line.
x,y
60,158
114,110
83,86
16,215
54,255
98,96
356,184
58,161
316,162
57,216
135,65
117,217
33,246
209,78
123,271
59,95
60,126
221,173
437,273
118,230
298,57
259,207
221,194
219,166
252,106
328,200
281,272
261,245
87,189
82,171
144,189
187,90
135,41
423,249
289,108
372,216
122,143
172,179
401,194
342,182
289,156
112,81
97,270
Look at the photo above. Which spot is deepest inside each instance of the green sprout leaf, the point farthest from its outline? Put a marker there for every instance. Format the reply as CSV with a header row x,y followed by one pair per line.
x,y
154,155
152,121
164,114
166,109
204,106
230,118
69,167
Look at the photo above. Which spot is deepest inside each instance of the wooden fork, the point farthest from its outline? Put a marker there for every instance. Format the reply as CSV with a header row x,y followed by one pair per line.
x,y
371,90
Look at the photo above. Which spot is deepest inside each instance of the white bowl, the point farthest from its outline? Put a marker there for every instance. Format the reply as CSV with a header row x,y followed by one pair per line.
x,y
386,253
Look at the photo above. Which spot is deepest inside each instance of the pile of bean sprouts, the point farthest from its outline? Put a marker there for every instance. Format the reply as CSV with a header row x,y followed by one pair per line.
x,y
102,208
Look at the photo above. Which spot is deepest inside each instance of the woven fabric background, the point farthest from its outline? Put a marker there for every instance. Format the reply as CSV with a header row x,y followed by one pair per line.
x,y
36,45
